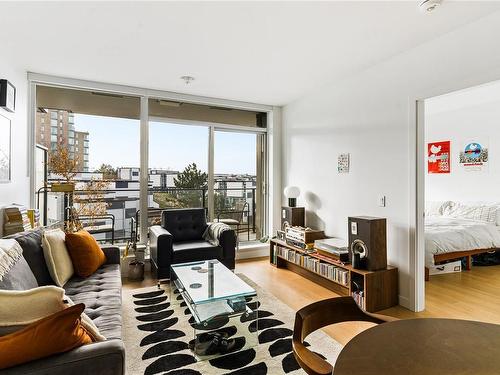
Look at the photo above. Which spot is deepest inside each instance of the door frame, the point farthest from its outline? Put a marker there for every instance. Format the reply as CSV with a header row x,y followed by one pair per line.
x,y
417,158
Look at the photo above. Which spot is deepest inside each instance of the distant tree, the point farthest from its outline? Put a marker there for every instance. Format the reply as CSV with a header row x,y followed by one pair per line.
x,y
195,182
108,172
191,177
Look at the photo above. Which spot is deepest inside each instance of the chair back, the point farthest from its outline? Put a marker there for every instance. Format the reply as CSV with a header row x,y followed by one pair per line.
x,y
185,224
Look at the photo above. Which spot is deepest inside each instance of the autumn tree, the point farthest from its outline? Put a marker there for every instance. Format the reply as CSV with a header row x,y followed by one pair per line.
x,y
108,172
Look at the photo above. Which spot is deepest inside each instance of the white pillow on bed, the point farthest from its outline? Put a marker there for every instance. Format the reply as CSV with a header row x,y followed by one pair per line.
x,y
436,208
486,213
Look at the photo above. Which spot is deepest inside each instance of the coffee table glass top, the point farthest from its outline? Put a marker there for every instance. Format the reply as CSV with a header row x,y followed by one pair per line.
x,y
210,281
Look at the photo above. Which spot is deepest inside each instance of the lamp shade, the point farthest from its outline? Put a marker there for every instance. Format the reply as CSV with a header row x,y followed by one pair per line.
x,y
292,192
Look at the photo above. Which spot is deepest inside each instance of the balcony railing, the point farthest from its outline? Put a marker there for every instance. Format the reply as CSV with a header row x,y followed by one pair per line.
x,y
123,205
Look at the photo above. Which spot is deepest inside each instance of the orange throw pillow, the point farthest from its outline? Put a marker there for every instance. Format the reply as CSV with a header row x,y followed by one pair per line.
x,y
57,333
85,253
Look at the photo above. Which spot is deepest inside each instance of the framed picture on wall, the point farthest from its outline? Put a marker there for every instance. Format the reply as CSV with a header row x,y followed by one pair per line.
x,y
4,149
438,157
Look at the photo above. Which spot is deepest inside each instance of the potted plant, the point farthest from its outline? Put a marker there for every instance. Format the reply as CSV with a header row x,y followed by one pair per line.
x,y
65,167
136,266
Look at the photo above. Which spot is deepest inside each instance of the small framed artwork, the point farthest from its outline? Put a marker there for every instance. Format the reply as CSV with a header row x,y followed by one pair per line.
x,y
4,149
343,163
7,95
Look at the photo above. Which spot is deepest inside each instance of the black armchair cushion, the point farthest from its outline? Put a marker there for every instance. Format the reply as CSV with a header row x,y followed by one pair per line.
x,y
186,224
189,251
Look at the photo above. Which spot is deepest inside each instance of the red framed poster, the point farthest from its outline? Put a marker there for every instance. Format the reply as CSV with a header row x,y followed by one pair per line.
x,y
438,157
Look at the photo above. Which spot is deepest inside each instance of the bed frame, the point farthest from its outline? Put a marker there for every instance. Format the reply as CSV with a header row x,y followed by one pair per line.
x,y
438,258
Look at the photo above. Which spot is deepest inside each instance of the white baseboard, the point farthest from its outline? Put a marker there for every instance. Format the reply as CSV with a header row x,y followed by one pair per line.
x,y
405,302
253,251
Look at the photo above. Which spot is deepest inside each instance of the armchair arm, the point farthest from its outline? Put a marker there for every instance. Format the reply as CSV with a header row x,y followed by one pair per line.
x,y
112,254
227,240
160,247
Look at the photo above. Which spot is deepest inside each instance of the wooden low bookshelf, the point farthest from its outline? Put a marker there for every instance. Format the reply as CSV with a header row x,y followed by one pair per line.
x,y
380,287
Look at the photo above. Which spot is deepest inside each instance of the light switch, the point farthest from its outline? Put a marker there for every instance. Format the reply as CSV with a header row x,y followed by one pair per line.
x,y
381,201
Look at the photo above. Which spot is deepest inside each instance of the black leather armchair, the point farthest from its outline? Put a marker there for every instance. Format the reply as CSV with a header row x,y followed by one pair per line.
x,y
179,239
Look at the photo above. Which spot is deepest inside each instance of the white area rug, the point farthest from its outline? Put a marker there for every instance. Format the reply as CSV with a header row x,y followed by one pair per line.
x,y
157,334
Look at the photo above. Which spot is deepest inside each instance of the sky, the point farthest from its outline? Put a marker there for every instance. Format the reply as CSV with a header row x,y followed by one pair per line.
x,y
115,141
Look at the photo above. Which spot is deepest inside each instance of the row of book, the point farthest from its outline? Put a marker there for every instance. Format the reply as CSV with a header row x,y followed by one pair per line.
x,y
313,264
18,218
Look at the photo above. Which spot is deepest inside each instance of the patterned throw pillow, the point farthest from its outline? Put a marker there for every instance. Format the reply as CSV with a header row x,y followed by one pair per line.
x,y
483,213
436,208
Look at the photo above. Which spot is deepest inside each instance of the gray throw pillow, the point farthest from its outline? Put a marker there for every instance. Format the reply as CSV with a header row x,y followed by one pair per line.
x,y
19,277
31,242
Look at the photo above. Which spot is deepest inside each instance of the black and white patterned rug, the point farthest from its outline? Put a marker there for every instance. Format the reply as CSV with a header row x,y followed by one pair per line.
x,y
157,336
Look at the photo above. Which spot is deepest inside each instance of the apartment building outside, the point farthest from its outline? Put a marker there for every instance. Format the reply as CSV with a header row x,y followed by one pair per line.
x,y
55,127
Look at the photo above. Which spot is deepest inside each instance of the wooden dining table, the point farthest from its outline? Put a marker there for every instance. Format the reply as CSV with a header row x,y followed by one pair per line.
x,y
423,347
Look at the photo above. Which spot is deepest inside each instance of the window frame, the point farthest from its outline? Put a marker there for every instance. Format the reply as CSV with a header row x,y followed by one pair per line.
x,y
271,188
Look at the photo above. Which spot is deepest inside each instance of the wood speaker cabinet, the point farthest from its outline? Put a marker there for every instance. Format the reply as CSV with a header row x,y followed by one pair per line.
x,y
367,240
294,216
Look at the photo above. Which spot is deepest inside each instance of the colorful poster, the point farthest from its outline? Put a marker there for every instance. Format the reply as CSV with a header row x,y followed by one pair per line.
x,y
474,156
438,157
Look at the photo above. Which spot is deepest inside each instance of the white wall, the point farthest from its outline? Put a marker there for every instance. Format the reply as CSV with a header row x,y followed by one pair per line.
x,y
370,115
17,191
469,115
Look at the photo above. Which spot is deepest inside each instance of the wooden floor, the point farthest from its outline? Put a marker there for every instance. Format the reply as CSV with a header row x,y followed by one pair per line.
x,y
473,295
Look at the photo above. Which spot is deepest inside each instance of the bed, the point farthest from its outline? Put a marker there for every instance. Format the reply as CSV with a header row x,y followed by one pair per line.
x,y
455,230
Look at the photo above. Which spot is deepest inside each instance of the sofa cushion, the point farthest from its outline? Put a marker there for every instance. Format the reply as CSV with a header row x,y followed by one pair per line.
x,y
101,294
191,251
31,242
185,224
56,256
19,277
54,334
85,253
23,307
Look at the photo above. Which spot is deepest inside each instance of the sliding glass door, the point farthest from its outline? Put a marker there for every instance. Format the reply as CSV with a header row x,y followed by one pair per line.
x,y
237,181
194,155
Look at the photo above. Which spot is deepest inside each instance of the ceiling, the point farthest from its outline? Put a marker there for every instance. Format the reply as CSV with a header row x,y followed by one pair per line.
x,y
263,52
470,97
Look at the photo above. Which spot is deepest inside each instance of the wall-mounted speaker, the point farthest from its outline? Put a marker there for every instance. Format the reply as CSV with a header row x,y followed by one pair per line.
x,y
368,242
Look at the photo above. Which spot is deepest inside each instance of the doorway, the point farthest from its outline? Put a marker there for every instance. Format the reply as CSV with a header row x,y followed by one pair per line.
x,y
457,201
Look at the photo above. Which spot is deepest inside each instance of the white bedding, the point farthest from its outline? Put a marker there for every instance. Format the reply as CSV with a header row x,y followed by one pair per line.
x,y
447,234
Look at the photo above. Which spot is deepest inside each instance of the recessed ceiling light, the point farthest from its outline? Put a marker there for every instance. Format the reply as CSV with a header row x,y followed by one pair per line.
x,y
187,79
429,6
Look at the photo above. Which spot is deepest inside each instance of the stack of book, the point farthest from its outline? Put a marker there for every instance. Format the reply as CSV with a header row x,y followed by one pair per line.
x,y
16,220
34,216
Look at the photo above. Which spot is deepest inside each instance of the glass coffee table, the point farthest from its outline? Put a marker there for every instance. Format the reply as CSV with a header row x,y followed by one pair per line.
x,y
221,304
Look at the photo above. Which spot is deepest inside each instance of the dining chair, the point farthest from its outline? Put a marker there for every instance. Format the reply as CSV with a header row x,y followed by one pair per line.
x,y
319,315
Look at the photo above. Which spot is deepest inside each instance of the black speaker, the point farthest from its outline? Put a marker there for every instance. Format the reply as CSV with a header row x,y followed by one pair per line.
x,y
368,242
293,216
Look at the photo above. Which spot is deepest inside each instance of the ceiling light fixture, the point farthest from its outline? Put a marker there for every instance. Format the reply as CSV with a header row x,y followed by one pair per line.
x,y
187,79
429,6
